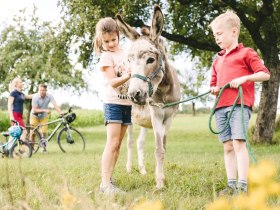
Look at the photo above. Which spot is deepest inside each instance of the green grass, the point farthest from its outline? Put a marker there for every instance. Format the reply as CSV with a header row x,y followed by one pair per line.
x,y
194,170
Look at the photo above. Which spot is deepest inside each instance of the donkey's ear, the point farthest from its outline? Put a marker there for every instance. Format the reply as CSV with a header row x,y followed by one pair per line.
x,y
157,24
126,29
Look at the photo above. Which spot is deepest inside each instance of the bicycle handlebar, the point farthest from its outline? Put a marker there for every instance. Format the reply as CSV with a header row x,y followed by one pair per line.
x,y
16,122
69,111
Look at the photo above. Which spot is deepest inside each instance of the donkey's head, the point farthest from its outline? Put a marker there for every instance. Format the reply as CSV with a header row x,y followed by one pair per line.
x,y
145,58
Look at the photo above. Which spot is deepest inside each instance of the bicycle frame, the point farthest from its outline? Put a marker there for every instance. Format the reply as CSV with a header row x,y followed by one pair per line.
x,y
62,122
7,145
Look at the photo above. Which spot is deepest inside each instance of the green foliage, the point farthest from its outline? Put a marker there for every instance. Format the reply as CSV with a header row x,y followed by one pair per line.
x,y
4,121
3,103
37,52
194,170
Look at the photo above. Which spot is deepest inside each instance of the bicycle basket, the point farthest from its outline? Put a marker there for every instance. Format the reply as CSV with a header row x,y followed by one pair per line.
x,y
71,117
15,131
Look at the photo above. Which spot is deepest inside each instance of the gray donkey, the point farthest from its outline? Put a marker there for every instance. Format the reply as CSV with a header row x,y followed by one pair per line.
x,y
153,82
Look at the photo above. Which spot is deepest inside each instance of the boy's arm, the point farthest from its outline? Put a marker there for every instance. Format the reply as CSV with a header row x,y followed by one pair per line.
x,y
257,77
57,108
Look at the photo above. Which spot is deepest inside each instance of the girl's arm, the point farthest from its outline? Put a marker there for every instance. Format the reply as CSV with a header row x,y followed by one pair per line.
x,y
112,78
29,96
10,107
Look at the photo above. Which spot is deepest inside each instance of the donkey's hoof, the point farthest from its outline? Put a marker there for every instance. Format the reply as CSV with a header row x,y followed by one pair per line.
x,y
159,190
128,169
142,170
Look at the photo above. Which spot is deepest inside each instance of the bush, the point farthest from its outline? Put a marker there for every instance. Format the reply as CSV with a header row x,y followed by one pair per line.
x,y
84,118
4,121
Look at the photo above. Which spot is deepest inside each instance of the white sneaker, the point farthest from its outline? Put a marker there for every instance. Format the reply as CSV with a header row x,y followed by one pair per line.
x,y
110,189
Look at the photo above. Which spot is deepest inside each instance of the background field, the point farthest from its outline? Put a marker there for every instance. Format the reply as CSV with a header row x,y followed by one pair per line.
x,y
194,172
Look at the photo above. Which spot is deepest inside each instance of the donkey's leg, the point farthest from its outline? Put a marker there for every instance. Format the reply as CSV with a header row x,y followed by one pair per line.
x,y
129,146
161,128
158,128
140,150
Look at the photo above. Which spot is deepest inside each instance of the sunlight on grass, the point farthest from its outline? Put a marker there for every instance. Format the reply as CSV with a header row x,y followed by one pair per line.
x,y
194,172
262,188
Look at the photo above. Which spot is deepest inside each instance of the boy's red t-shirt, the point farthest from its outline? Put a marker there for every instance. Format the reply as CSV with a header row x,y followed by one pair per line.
x,y
239,62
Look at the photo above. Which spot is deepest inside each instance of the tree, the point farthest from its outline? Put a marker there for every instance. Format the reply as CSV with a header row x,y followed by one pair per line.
x,y
187,28
37,53
192,79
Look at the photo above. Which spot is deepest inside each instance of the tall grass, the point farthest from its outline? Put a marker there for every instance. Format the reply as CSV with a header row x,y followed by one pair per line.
x,y
84,118
194,171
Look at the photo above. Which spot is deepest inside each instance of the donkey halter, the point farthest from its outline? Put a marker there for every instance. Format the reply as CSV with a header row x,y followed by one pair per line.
x,y
150,76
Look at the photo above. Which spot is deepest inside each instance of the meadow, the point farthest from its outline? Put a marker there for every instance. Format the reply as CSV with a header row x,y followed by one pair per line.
x,y
194,170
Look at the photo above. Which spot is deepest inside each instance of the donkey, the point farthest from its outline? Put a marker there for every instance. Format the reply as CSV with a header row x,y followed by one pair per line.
x,y
153,82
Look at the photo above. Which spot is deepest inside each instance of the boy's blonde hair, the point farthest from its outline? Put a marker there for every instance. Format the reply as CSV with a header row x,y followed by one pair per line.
x,y
229,18
104,25
13,84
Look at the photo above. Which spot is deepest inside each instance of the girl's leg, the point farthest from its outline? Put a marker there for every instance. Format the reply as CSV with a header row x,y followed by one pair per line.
x,y
123,130
111,151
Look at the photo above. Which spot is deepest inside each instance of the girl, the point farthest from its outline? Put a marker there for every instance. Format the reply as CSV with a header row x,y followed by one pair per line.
x,y
15,103
117,112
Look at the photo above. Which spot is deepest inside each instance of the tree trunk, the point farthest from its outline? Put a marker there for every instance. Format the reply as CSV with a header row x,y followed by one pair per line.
x,y
193,108
265,123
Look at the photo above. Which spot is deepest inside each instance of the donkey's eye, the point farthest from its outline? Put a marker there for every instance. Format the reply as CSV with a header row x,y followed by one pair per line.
x,y
150,60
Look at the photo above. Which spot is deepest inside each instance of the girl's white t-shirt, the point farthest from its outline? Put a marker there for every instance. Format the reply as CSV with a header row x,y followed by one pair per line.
x,y
116,60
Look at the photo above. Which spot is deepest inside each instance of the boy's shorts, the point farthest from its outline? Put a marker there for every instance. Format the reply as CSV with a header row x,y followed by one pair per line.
x,y
234,130
34,121
115,113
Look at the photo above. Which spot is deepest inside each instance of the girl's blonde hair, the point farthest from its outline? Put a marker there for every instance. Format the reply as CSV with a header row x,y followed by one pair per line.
x,y
13,84
229,18
104,25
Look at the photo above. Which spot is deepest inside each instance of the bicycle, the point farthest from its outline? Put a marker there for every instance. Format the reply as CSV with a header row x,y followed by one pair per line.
x,y
15,147
69,139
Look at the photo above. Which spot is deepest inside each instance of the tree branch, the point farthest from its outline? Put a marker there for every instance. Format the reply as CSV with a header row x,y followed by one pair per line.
x,y
192,42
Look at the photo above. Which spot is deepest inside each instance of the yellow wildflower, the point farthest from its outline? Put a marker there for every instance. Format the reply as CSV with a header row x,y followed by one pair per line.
x,y
219,204
149,205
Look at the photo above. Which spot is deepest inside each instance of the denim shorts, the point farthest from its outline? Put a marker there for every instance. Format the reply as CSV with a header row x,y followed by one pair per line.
x,y
115,113
235,128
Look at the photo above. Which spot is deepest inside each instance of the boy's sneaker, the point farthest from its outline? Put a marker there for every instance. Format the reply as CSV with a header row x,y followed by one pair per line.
x,y
110,189
228,191
241,190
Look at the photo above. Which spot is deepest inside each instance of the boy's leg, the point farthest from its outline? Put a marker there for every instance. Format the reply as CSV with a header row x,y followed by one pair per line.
x,y
230,160
242,163
239,144
34,122
44,129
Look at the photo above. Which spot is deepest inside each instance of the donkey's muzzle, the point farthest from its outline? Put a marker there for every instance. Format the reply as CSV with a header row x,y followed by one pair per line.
x,y
138,97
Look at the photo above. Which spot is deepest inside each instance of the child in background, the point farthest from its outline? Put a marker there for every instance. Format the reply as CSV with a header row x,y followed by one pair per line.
x,y
117,112
237,65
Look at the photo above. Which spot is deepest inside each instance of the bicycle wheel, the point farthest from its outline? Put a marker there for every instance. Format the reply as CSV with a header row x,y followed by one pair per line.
x,y
36,138
21,149
71,140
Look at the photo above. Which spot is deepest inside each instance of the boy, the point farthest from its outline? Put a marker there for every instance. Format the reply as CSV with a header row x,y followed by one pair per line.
x,y
236,65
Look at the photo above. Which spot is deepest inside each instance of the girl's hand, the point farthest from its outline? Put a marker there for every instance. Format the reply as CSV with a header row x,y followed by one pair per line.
x,y
235,83
215,90
128,71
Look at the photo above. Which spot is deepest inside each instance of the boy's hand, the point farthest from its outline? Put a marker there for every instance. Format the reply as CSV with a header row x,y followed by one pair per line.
x,y
235,83
215,90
